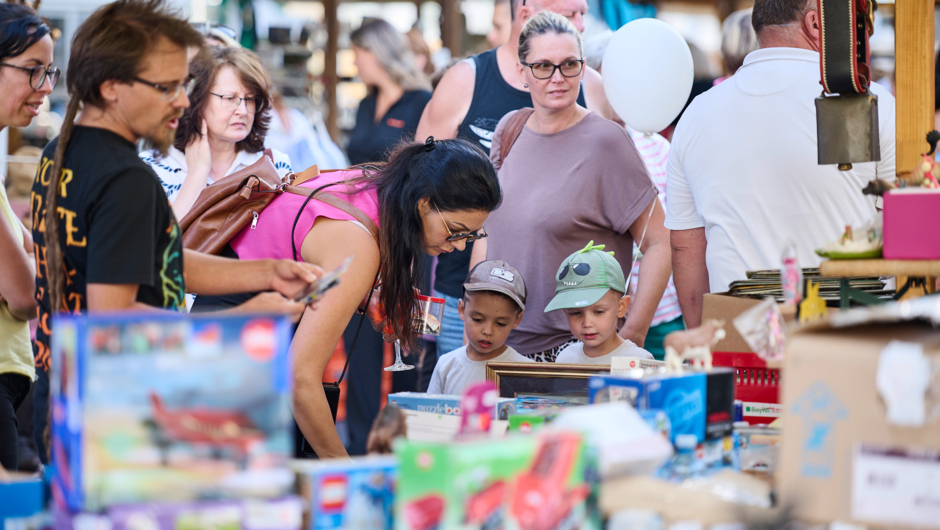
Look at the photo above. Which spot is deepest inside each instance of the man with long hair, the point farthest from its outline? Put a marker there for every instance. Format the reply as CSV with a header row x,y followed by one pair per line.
x,y
106,237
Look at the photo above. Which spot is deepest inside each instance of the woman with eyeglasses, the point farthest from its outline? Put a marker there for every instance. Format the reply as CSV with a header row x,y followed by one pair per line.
x,y
429,198
26,78
223,129
570,176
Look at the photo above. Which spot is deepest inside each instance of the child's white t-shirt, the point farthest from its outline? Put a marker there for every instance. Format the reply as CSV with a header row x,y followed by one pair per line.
x,y
455,371
574,354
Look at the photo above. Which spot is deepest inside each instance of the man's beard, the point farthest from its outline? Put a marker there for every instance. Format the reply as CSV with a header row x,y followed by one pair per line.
x,y
163,138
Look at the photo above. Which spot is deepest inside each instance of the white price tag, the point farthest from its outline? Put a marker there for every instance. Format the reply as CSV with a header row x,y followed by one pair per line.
x,y
896,486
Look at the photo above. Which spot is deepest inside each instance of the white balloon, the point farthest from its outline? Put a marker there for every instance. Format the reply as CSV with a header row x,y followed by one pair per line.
x,y
648,74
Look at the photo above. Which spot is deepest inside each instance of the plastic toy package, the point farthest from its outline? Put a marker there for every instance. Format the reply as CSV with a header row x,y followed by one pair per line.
x,y
519,482
169,408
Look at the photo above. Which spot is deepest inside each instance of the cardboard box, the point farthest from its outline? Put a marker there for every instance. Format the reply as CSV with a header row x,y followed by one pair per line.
x,y
21,496
535,481
448,405
722,306
170,408
346,495
840,459
682,397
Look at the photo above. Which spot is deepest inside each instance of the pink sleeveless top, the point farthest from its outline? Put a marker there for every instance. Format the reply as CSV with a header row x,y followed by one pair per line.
x,y
270,239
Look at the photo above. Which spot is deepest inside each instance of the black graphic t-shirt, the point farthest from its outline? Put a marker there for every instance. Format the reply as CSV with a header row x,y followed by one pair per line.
x,y
115,227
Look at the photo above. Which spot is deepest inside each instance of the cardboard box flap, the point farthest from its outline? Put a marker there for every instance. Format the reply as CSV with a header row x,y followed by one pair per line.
x,y
926,308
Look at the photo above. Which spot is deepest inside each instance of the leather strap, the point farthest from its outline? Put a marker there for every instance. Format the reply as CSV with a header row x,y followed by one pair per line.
x,y
844,52
511,133
341,205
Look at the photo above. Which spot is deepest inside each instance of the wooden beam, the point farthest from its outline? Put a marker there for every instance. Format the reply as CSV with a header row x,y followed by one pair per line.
x,y
451,28
914,80
330,78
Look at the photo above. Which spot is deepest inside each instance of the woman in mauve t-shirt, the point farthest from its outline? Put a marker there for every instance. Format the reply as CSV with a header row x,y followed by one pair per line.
x,y
571,176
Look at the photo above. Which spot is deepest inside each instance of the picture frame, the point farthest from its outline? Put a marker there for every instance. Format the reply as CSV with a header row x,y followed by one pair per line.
x,y
542,379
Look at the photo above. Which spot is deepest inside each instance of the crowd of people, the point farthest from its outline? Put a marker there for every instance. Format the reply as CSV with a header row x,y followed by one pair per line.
x,y
512,190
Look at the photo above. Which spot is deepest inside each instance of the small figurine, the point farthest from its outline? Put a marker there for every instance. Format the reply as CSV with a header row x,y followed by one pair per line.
x,y
695,345
813,307
923,174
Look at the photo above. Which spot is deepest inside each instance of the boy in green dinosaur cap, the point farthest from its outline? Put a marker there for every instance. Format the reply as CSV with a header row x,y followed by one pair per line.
x,y
591,289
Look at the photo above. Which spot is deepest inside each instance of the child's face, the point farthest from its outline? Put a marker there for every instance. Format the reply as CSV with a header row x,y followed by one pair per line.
x,y
594,325
488,318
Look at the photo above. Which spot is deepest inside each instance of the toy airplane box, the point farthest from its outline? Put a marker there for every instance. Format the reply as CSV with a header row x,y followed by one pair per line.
x,y
356,495
682,397
517,482
169,408
448,405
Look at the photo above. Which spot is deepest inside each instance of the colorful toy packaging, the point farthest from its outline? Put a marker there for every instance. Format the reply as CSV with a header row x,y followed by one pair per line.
x,y
257,514
445,404
682,397
355,495
169,408
519,482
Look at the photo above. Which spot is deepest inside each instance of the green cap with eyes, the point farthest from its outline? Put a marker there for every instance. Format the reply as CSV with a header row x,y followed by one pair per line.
x,y
585,277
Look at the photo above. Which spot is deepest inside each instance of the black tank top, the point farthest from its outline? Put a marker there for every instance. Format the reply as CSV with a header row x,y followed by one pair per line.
x,y
493,98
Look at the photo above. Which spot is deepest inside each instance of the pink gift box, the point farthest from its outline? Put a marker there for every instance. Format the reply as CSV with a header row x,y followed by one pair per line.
x,y
910,224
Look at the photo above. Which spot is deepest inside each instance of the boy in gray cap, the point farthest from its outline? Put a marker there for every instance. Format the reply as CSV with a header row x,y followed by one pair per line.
x,y
591,288
492,306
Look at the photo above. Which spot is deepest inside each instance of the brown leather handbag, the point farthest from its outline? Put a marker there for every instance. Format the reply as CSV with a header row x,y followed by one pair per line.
x,y
225,208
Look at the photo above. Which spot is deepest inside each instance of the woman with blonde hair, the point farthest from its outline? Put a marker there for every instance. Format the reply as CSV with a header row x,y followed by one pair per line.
x,y
571,176
398,91
222,131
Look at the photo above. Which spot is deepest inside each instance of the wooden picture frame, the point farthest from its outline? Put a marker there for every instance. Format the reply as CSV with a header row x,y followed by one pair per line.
x,y
548,379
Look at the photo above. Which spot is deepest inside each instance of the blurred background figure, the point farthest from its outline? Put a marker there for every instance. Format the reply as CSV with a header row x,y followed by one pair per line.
x,y
217,34
737,40
502,24
304,143
398,91
421,51
222,131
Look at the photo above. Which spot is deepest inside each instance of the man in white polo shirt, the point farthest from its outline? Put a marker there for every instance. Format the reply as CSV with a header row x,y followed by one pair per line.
x,y
742,173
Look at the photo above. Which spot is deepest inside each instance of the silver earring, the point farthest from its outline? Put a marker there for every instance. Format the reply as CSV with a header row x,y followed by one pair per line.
x,y
524,85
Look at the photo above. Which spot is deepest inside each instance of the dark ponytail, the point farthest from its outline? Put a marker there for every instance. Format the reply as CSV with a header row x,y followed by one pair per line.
x,y
110,45
20,28
454,175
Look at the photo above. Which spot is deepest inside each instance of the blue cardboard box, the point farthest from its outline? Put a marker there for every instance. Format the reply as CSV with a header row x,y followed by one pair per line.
x,y
170,408
682,397
351,495
20,497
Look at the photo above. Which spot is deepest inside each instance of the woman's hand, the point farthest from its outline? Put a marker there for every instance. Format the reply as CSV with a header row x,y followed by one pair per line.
x,y
199,156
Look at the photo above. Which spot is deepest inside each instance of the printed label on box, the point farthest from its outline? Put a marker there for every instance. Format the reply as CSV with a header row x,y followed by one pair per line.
x,y
762,410
896,485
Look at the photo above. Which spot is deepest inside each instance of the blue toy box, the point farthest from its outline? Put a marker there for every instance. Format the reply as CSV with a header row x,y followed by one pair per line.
x,y
682,397
169,408
357,495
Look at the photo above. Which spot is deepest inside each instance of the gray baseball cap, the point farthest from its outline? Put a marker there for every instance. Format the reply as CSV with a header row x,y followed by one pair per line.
x,y
499,276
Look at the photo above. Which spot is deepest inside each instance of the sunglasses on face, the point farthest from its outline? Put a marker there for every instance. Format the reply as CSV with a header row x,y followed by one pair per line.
x,y
468,236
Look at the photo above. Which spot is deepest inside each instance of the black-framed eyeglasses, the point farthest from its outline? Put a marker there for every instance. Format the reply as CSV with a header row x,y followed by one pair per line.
x,y
231,102
545,70
38,74
171,92
469,236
